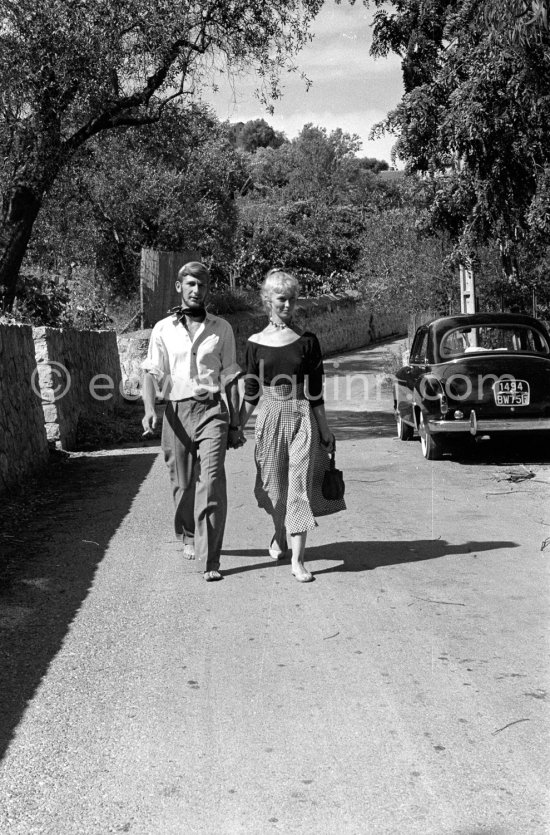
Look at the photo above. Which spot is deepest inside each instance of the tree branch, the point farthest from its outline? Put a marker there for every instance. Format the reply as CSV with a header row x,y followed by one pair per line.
x,y
111,117
133,121
168,99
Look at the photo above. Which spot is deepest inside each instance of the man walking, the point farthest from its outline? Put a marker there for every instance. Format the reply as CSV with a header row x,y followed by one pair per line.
x,y
192,359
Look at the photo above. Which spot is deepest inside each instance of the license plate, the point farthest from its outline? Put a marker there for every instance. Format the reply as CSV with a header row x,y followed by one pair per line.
x,y
511,392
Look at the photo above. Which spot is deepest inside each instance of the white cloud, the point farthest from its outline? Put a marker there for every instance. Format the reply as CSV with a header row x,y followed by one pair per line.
x,y
350,89
343,17
347,60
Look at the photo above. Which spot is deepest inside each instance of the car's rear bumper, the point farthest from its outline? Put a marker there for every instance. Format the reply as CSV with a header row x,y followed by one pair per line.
x,y
477,425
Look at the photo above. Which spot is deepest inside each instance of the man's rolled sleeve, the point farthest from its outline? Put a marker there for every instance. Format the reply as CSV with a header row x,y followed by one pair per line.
x,y
230,369
156,362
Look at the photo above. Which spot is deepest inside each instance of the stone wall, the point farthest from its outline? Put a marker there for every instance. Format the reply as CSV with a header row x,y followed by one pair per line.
x,y
341,324
79,374
23,442
132,348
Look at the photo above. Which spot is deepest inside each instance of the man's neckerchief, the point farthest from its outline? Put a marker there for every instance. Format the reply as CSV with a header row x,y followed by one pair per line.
x,y
197,314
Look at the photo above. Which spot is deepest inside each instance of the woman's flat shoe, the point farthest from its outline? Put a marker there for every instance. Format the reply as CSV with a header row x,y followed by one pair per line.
x,y
303,576
274,553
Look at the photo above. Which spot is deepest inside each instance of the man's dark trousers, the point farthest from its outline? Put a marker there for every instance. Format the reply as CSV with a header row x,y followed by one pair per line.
x,y
194,442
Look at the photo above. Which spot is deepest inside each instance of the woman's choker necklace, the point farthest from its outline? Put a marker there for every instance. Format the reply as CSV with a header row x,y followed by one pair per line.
x,y
279,325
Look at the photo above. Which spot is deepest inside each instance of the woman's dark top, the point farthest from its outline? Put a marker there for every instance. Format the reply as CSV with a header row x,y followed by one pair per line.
x,y
300,362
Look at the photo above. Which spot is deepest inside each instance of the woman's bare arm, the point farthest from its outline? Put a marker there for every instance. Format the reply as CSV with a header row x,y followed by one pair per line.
x,y
327,437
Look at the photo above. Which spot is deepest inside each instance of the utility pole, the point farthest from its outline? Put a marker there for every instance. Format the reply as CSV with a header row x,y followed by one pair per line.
x,y
468,302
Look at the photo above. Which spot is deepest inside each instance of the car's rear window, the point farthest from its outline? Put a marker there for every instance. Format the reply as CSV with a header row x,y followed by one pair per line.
x,y
478,338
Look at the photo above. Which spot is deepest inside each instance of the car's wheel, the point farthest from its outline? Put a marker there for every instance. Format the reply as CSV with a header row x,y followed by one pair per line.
x,y
404,430
432,448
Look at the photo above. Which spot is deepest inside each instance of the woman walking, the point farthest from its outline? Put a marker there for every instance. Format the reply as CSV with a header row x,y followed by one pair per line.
x,y
291,421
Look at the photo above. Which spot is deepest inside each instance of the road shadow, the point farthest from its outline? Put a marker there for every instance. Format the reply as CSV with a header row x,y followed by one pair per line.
x,y
494,830
370,554
52,540
497,451
373,364
508,450
358,425
352,425
378,357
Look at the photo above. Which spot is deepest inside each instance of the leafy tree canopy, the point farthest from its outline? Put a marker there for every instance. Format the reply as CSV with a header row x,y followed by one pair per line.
x,y
373,164
475,114
249,136
169,185
320,165
72,69
308,209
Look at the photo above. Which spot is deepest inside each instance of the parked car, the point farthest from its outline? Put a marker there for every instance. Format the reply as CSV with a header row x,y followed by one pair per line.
x,y
474,374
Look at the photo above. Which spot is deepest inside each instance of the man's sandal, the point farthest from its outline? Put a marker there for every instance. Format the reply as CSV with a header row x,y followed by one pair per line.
x,y
304,576
210,576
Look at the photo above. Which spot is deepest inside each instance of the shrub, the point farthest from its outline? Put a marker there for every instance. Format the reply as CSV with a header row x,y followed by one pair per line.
x,y
49,299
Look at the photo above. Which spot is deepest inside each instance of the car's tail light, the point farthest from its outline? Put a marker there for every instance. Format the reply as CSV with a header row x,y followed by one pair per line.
x,y
457,387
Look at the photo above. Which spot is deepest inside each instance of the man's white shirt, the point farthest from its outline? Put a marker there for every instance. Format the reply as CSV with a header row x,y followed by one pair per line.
x,y
185,366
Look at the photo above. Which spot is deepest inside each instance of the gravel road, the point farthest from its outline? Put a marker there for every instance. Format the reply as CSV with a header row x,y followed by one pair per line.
x,y
404,692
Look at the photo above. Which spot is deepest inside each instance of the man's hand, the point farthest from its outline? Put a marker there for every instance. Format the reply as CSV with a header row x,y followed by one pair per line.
x,y
149,423
235,438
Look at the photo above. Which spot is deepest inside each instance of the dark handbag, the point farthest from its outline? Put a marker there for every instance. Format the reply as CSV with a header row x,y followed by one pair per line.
x,y
333,487
325,480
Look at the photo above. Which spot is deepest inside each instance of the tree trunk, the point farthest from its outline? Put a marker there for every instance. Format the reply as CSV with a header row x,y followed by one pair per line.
x,y
21,208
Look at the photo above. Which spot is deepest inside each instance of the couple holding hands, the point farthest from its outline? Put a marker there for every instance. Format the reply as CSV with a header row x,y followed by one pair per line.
x,y
192,358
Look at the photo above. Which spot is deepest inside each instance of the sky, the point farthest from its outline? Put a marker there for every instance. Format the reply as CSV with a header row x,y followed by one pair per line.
x,y
350,89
